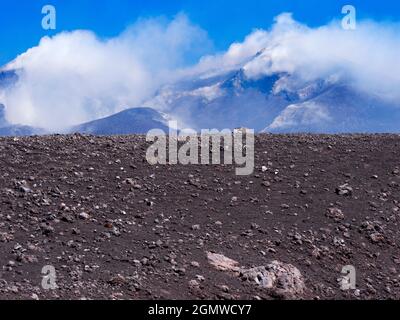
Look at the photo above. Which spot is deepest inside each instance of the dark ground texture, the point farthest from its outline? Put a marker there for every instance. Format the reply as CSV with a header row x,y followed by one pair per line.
x,y
115,227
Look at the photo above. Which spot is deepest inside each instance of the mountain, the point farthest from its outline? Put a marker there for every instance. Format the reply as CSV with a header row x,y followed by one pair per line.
x,y
8,78
7,129
229,99
3,120
277,103
131,121
341,108
20,131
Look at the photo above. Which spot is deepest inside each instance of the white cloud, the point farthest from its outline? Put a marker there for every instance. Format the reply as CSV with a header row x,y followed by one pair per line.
x,y
237,54
367,56
75,77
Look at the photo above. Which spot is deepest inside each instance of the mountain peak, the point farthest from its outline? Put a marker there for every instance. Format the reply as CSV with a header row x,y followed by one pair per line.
x,y
130,121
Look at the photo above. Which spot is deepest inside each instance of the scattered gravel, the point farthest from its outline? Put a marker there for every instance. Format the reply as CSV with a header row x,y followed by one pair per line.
x,y
114,227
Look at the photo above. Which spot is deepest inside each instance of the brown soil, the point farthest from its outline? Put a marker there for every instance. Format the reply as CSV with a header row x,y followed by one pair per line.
x,y
115,227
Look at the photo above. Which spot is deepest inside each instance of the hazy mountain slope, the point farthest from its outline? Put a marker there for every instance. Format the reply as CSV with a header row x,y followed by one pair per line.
x,y
7,129
227,101
7,78
280,103
131,121
277,103
341,108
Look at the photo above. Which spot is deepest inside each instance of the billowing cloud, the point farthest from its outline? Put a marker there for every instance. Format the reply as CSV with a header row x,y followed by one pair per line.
x,y
75,77
237,54
368,57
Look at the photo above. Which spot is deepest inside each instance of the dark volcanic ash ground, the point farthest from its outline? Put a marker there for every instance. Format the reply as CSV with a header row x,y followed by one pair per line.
x,y
115,227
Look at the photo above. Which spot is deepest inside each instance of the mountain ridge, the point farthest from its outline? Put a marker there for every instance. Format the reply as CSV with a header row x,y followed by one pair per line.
x,y
274,103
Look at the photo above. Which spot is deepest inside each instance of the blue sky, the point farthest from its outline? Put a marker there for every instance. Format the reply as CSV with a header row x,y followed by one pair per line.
x,y
225,21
